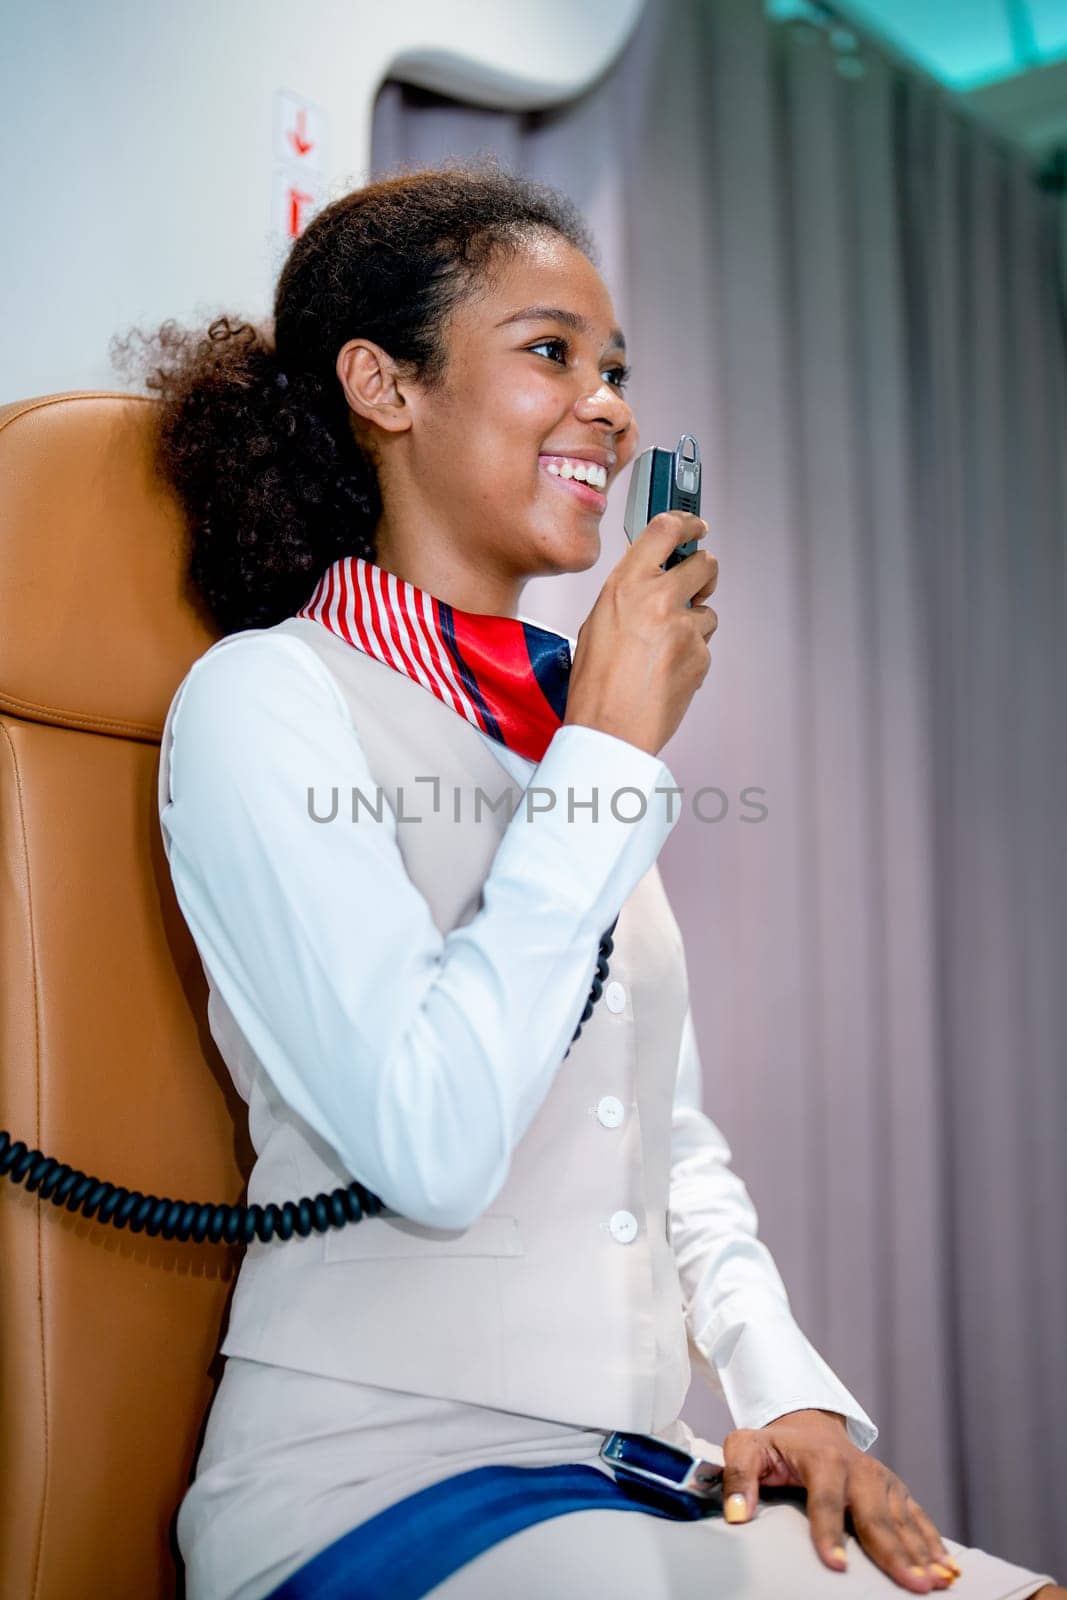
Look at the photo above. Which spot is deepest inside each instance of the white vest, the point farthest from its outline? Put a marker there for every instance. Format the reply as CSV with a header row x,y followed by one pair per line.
x,y
538,1307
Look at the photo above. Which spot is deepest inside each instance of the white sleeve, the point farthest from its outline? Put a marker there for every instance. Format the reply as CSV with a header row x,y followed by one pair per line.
x,y
420,1060
737,1309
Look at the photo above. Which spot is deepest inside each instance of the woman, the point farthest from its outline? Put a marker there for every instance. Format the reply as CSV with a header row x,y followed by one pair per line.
x,y
396,972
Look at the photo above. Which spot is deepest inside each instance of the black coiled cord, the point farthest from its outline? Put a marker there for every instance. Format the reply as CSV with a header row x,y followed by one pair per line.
x,y
186,1219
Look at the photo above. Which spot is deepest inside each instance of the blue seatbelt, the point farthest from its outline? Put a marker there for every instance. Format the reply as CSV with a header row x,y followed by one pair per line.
x,y
405,1550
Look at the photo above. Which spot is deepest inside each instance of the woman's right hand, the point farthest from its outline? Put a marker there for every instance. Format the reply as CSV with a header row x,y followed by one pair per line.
x,y
641,654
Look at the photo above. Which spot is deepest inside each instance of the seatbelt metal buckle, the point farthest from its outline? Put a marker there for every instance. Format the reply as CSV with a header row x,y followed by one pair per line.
x,y
663,1475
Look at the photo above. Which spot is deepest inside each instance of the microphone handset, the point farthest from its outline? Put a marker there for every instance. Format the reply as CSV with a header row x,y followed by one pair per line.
x,y
664,480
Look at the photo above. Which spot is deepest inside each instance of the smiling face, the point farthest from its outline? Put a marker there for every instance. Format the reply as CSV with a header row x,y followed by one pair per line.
x,y
480,476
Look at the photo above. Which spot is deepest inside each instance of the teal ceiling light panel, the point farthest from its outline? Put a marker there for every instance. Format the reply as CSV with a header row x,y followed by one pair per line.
x,y
965,44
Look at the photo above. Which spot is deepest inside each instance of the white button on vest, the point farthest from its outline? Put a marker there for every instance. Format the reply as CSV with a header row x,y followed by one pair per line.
x,y
615,997
610,1111
623,1226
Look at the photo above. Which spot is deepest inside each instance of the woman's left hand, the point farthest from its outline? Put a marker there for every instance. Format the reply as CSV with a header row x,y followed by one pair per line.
x,y
812,1450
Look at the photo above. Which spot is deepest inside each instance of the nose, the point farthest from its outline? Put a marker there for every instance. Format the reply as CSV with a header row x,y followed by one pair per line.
x,y
606,406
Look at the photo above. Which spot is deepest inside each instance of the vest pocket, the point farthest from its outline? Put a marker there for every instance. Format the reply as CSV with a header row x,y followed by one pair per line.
x,y
390,1235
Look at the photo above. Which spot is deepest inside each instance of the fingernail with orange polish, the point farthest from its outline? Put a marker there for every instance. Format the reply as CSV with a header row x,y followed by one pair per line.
x,y
736,1508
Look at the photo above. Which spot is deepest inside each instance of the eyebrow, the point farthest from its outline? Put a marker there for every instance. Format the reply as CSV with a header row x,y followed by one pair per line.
x,y
569,319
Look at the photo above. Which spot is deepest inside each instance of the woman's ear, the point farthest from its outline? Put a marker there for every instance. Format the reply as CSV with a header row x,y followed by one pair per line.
x,y
372,383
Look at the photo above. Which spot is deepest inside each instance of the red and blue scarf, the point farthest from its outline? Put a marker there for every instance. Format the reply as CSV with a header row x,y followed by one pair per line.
x,y
508,677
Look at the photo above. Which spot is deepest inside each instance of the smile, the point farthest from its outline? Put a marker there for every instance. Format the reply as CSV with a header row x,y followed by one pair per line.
x,y
562,470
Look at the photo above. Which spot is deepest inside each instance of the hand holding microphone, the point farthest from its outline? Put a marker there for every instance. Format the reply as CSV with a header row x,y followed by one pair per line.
x,y
642,652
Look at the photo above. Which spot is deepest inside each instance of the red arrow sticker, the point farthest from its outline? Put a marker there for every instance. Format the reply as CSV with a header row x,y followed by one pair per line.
x,y
297,136
299,133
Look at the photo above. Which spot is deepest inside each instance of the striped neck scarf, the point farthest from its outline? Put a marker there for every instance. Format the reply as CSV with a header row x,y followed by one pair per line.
x,y
507,677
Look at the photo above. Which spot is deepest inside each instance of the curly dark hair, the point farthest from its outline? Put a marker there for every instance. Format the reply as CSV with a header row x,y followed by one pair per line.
x,y
253,431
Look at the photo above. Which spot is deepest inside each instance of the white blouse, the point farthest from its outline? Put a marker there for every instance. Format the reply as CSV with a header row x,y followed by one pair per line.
x,y
326,952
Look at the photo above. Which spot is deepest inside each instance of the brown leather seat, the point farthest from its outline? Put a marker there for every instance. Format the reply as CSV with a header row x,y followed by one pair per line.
x,y
107,1339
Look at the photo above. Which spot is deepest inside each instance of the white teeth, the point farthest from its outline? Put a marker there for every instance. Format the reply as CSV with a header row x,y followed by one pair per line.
x,y
584,471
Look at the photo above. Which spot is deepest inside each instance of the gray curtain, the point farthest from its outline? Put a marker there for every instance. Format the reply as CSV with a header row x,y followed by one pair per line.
x,y
848,292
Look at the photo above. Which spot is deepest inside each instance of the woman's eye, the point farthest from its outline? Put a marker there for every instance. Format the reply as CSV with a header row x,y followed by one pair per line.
x,y
619,375
555,344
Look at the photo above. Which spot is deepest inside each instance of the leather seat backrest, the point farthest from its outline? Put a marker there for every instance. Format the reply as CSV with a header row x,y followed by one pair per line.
x,y
107,1338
